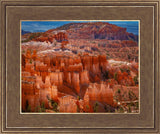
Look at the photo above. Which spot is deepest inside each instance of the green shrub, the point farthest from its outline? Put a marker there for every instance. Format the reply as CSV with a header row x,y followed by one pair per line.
x,y
78,97
129,57
135,80
87,107
43,109
122,70
53,104
137,105
38,109
107,108
115,76
119,91
32,36
25,40
132,104
129,109
132,95
28,107
30,61
121,110
106,75
95,107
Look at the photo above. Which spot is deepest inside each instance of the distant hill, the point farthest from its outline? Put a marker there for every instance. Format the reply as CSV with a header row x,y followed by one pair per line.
x,y
24,32
95,30
37,31
91,31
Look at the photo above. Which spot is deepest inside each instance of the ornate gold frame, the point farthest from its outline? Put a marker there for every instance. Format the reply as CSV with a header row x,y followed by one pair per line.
x,y
147,11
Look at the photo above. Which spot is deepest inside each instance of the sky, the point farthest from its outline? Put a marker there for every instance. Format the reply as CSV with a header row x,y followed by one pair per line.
x,y
41,26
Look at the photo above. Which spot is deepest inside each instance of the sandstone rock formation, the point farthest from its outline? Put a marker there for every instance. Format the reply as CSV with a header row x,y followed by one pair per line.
x,y
83,67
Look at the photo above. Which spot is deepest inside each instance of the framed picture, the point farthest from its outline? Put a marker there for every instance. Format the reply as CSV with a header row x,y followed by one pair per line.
x,y
80,67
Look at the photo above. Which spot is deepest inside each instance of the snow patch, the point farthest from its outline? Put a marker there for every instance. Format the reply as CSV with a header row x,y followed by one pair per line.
x,y
118,62
46,51
36,43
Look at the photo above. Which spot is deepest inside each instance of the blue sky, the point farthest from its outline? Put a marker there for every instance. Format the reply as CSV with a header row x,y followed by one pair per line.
x,y
39,26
